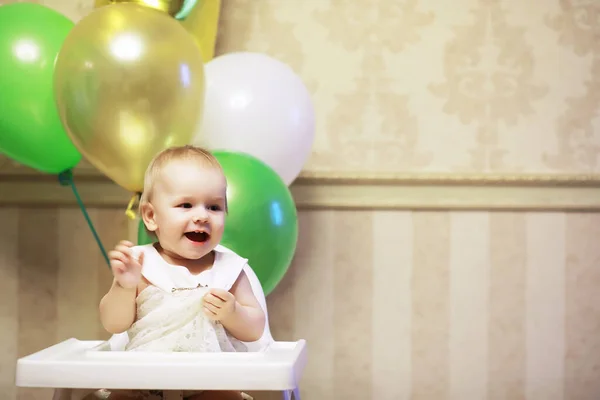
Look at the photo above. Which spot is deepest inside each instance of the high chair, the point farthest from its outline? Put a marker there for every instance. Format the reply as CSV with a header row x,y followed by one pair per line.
x,y
75,364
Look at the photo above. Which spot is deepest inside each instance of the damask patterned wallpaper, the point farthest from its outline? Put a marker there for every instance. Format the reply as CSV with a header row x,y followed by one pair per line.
x,y
460,86
427,86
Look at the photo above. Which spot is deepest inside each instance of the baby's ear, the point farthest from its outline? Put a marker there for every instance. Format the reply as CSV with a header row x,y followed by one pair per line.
x,y
147,214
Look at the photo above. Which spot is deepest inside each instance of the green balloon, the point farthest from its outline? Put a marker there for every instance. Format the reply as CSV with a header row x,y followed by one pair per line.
x,y
262,222
31,132
144,237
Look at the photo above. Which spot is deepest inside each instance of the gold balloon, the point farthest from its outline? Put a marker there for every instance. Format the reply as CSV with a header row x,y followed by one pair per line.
x,y
170,7
128,83
202,23
199,17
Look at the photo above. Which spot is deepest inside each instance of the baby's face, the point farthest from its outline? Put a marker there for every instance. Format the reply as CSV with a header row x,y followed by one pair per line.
x,y
188,203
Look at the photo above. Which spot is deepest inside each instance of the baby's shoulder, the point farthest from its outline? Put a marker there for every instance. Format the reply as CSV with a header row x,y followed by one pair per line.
x,y
229,255
228,267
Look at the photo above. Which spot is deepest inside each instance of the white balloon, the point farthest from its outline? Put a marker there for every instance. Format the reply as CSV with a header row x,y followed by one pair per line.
x,y
257,105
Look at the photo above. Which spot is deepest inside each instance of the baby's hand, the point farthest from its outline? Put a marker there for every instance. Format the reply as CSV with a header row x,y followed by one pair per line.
x,y
126,269
218,304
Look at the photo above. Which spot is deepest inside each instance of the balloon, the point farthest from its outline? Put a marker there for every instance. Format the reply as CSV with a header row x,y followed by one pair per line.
x,y
171,7
31,132
199,17
262,223
129,83
202,23
257,105
143,236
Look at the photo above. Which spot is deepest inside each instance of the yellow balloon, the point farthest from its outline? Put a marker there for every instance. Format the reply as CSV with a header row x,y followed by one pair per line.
x,y
128,82
203,23
170,7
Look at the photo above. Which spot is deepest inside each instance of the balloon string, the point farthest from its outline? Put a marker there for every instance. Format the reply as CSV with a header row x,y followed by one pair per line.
x,y
186,8
66,178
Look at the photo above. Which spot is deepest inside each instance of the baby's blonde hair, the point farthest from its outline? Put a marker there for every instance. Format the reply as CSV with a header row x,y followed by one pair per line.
x,y
187,152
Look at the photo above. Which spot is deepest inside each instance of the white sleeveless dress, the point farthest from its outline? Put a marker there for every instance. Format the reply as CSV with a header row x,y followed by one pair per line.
x,y
169,310
170,317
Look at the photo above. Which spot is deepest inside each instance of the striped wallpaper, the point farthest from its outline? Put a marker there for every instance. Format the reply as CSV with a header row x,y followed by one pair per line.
x,y
435,306
394,305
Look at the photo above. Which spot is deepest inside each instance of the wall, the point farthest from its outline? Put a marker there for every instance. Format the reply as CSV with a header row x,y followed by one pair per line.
x,y
53,278
449,212
393,304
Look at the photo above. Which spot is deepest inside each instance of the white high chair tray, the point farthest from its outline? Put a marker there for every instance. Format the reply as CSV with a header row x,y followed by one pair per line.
x,y
90,364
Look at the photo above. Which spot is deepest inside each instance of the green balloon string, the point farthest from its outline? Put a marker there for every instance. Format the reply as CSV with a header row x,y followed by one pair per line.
x,y
186,8
66,179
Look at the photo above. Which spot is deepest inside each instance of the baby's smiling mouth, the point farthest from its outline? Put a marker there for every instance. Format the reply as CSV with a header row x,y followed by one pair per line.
x,y
197,237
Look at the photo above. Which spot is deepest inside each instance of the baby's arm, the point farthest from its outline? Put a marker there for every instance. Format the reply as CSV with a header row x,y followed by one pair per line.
x,y
247,321
117,308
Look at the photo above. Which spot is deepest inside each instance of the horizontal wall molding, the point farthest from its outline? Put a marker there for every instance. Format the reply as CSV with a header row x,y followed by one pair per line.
x,y
25,188
455,195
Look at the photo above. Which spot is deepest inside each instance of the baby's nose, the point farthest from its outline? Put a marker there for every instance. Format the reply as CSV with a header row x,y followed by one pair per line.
x,y
200,217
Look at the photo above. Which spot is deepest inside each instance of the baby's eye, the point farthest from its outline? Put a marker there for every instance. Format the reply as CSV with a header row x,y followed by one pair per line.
x,y
215,207
186,205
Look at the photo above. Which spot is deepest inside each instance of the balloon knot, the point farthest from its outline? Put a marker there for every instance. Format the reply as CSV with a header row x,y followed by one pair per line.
x,y
65,178
129,212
